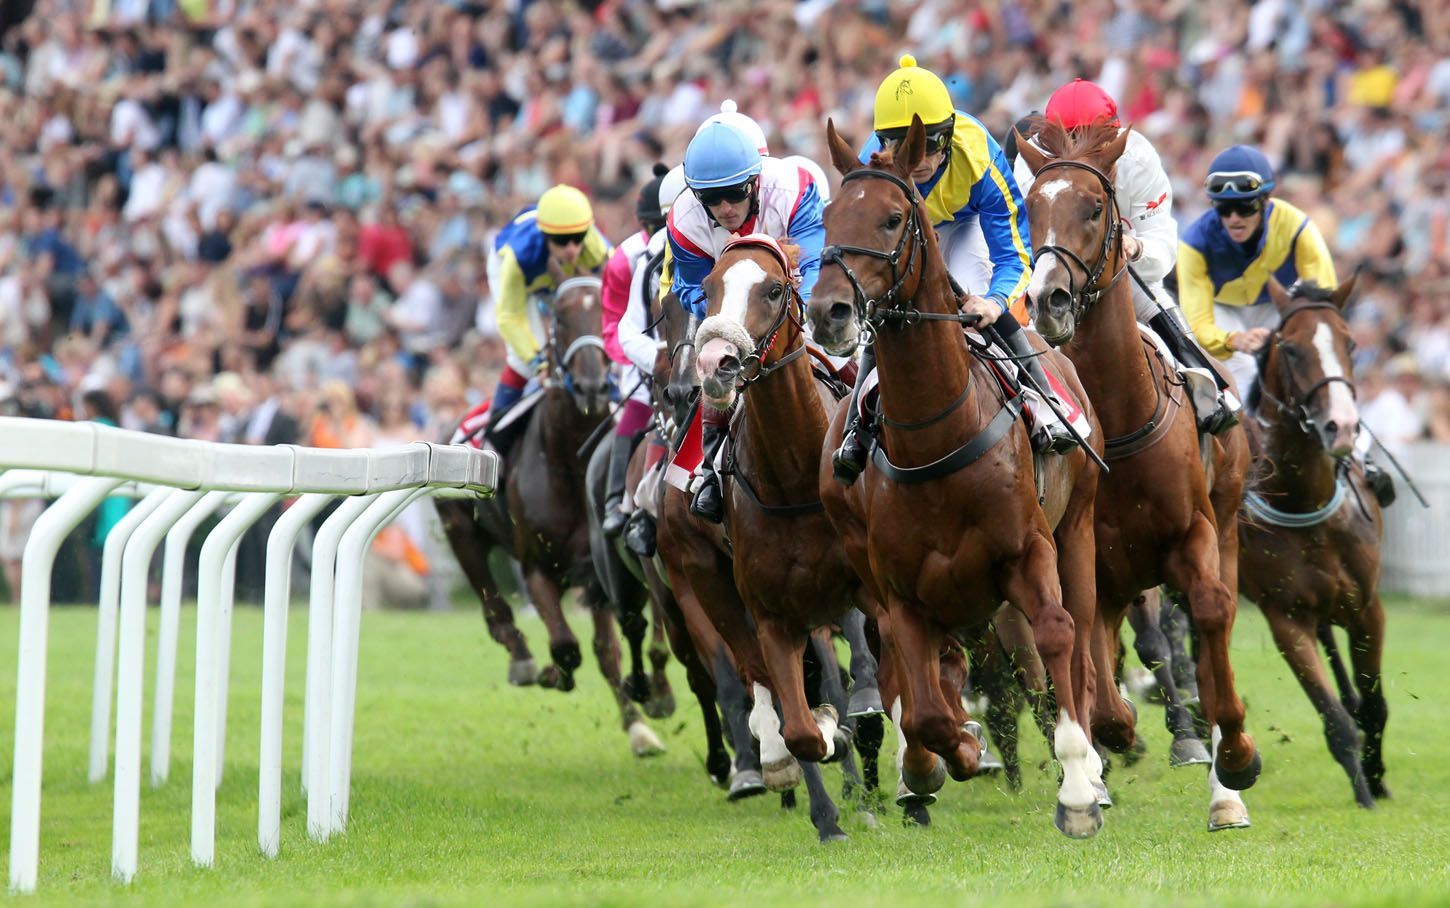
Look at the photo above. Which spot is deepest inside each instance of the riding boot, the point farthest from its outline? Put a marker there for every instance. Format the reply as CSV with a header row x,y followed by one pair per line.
x,y
505,397
1054,437
1380,482
1186,351
619,452
850,458
708,503
639,533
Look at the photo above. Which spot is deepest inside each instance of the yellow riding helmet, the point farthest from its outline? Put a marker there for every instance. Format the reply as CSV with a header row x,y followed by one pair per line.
x,y
564,209
912,90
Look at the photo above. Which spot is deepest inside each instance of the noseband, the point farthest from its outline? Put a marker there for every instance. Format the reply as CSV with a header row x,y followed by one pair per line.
x,y
1298,405
1085,298
872,312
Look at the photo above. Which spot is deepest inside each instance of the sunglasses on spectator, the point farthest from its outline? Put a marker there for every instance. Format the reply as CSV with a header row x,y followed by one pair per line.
x,y
732,194
567,239
1241,207
1232,181
936,142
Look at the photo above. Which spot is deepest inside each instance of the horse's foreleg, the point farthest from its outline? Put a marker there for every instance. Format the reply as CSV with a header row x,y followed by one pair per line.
x,y
563,645
1152,647
642,739
661,698
469,547
784,647
1194,567
1034,587
634,626
928,720
865,695
1366,648
1347,694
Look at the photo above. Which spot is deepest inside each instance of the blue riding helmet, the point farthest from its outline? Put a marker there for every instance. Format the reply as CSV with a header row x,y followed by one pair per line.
x,y
720,156
1239,172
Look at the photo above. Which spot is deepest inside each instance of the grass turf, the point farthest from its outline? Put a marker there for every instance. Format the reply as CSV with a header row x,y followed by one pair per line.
x,y
466,790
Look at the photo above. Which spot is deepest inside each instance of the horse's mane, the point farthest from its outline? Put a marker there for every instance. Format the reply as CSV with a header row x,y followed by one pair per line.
x,y
792,254
882,160
1075,144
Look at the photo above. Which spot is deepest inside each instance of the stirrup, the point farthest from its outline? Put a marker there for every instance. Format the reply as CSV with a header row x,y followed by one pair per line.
x,y
615,520
1381,483
639,534
1220,420
849,460
1052,438
707,503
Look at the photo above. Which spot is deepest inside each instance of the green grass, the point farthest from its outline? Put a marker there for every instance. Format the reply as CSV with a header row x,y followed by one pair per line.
x,y
468,791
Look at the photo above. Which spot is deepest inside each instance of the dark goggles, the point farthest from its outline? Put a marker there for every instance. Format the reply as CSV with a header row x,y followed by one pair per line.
x,y
938,139
567,239
1241,181
732,194
1242,207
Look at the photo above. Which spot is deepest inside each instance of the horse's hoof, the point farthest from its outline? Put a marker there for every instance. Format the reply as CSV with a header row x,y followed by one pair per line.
x,y
868,819
637,687
523,672
1105,800
660,707
1188,752
1078,822
1378,789
719,768
864,701
915,814
1228,815
907,798
828,720
988,763
931,783
643,741
1241,779
747,783
832,833
782,775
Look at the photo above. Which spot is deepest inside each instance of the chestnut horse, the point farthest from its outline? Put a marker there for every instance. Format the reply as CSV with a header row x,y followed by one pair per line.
x,y
540,519
1310,527
945,523
1160,517
781,569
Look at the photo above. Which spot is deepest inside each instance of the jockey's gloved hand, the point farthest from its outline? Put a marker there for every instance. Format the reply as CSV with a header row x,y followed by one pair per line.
x,y
988,311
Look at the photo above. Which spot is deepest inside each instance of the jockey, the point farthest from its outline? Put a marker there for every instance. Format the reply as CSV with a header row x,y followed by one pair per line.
x,y
559,232
1150,237
734,192
614,300
977,210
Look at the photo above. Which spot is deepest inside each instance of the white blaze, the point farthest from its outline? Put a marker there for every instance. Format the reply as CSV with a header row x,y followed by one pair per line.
x,y
1052,188
1341,403
740,279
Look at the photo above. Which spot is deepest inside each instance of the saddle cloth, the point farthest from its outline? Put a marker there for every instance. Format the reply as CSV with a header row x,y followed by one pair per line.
x,y
1202,387
474,425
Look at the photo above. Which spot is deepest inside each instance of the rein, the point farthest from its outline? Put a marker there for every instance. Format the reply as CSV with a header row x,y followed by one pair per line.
x,y
1092,289
1298,406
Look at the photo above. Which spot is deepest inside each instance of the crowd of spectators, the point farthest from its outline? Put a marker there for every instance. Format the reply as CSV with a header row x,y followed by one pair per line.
x,y
264,221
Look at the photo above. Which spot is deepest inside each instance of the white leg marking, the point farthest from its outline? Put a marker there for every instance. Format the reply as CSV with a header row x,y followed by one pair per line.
x,y
827,722
1072,749
1225,807
765,725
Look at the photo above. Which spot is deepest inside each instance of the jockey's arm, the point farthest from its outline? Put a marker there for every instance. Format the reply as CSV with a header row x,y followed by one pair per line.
x,y
614,301
513,316
1003,218
1149,209
1195,296
638,346
808,231
1312,259
690,267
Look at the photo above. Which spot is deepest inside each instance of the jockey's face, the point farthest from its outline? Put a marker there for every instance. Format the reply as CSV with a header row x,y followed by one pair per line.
x,y
729,206
928,166
1240,217
565,247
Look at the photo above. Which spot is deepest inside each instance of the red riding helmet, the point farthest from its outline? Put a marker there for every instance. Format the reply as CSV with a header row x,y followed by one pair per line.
x,y
1079,103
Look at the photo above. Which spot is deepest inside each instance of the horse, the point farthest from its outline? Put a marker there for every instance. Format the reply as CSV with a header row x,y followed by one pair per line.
x,y
1311,528
1167,510
540,518
774,572
942,531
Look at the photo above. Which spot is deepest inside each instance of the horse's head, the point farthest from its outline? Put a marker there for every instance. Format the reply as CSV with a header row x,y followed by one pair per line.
x,y
1305,369
752,301
878,238
677,375
577,361
1074,216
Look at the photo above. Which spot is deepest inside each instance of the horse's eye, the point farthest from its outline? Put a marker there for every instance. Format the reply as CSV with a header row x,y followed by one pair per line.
x,y
775,292
1097,211
1353,346
894,221
1289,350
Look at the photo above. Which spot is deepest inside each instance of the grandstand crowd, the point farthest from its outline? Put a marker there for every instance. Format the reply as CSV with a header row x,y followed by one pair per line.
x,y
267,222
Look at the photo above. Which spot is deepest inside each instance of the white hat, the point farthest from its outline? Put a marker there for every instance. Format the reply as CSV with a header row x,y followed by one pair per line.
x,y
670,187
730,115
823,185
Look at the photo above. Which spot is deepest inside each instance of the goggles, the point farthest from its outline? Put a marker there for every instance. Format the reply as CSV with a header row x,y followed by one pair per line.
x,y
1242,207
566,239
1238,181
938,139
732,194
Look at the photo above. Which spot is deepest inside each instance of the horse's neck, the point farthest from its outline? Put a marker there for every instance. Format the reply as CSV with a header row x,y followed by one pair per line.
x,y
562,428
1107,351
921,369
785,429
1301,473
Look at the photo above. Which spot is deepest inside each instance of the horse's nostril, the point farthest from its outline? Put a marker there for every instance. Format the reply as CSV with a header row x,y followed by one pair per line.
x,y
840,312
1059,299
1331,427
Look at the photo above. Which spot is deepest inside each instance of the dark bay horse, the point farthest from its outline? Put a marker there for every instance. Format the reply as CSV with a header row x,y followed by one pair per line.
x,y
541,520
945,523
780,573
1160,518
1311,528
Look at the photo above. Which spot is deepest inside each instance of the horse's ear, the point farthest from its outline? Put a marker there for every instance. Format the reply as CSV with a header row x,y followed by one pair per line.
x,y
1113,150
842,157
1344,291
1280,297
556,271
912,149
1028,152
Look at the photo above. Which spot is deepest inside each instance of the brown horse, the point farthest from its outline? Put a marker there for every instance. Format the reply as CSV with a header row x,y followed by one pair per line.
x,y
781,568
1310,527
541,518
1160,518
943,542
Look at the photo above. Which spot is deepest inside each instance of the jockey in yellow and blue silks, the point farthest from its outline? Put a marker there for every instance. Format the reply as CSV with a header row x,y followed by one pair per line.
x,y
1225,259
560,229
976,207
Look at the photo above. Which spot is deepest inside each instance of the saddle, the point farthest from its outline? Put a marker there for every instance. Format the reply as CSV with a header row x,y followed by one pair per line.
x,y
477,431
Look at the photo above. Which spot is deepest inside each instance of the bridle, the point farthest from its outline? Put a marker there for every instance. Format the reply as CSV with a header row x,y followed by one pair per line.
x,y
561,362
791,313
1092,289
1297,407
872,313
